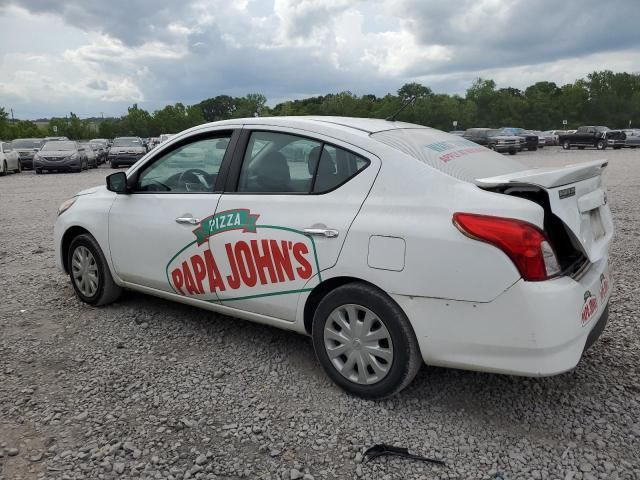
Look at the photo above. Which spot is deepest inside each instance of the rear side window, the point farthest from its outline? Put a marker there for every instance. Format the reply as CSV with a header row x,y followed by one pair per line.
x,y
283,163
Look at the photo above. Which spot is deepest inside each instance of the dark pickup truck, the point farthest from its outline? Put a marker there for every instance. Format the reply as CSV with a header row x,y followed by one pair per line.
x,y
587,136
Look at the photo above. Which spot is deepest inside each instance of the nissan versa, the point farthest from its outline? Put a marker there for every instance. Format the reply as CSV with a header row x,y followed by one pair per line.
x,y
390,244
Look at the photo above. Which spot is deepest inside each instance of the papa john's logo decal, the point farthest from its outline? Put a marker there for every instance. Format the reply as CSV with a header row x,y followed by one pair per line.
x,y
589,308
235,258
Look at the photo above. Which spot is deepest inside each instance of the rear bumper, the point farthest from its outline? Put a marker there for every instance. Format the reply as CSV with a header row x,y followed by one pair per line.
x,y
532,329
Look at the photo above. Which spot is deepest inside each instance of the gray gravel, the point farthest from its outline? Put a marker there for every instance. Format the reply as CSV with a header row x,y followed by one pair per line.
x,y
150,389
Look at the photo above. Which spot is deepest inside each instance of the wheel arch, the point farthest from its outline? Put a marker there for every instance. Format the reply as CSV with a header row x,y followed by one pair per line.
x,y
67,238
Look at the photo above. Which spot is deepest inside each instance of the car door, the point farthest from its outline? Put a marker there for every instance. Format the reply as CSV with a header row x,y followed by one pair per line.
x,y
151,230
284,216
11,155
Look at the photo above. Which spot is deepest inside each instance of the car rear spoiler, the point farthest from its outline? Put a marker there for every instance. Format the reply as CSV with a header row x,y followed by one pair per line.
x,y
548,177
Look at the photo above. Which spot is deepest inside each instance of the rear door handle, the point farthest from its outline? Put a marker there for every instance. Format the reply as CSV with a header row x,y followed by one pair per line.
x,y
321,232
188,220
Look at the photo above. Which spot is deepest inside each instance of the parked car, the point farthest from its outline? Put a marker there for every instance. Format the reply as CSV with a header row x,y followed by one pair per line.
x,y
126,151
101,152
616,139
494,139
92,154
542,138
632,138
164,137
62,156
9,159
527,140
104,144
349,246
586,136
27,148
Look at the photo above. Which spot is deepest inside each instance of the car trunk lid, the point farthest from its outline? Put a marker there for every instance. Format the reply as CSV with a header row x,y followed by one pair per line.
x,y
575,195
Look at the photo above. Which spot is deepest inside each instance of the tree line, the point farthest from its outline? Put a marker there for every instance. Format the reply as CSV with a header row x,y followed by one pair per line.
x,y
602,98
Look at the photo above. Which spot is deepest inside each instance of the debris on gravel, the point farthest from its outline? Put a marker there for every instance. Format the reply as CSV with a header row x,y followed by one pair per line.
x,y
149,389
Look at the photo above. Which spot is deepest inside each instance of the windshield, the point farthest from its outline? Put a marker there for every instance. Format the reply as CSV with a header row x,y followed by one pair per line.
x,y
512,131
26,143
494,133
127,142
58,145
455,156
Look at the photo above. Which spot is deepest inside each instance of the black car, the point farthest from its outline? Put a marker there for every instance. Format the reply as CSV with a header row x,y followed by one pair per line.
x,y
494,139
585,136
61,155
27,148
126,151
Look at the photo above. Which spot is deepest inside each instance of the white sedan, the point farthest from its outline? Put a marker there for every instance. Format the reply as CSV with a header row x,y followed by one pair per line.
x,y
9,159
391,244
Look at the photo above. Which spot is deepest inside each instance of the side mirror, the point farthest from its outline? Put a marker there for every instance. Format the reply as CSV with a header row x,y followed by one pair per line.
x,y
117,182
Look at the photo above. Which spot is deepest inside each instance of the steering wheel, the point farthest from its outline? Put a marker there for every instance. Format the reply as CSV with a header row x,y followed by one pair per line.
x,y
193,175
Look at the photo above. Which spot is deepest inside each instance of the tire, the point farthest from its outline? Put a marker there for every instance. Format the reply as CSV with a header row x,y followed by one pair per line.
x,y
566,145
38,171
617,147
4,170
394,327
19,169
601,145
114,165
512,152
104,290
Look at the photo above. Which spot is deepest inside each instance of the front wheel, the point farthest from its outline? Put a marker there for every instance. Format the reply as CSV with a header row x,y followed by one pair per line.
x,y
89,272
601,145
364,341
18,168
3,172
566,145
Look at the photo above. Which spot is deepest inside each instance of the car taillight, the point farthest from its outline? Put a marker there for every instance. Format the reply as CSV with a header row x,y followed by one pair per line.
x,y
525,244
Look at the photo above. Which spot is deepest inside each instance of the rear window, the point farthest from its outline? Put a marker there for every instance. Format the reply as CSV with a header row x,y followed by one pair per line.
x,y
455,156
26,143
58,145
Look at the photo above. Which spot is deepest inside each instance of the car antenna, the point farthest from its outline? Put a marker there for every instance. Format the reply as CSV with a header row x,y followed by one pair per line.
x,y
392,118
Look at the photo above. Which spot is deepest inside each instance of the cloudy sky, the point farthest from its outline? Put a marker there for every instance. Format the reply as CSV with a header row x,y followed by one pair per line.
x,y
93,56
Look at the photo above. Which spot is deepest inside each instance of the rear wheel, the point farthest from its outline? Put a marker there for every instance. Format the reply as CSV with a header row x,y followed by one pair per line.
x,y
89,272
364,341
601,145
3,172
18,168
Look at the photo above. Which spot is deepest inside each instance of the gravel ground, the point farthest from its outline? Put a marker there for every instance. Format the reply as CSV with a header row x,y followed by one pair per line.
x,y
150,389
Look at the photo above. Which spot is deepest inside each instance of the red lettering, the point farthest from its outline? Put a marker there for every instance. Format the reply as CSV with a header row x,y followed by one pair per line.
x,y
215,280
178,280
263,261
245,264
199,271
188,279
304,270
281,260
234,279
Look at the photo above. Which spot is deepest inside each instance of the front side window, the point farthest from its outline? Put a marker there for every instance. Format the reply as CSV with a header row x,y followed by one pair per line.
x,y
190,168
282,163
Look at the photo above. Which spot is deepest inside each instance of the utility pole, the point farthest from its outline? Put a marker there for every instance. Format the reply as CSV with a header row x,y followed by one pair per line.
x,y
12,115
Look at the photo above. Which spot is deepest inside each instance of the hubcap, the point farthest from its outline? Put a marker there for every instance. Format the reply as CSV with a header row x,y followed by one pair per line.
x,y
85,271
358,344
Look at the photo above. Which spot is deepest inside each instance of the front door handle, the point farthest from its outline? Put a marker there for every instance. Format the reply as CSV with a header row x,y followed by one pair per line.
x,y
321,232
188,220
